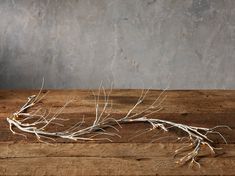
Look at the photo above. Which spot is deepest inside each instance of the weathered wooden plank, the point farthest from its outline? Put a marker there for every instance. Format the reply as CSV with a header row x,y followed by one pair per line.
x,y
138,156
138,150
200,108
111,166
176,102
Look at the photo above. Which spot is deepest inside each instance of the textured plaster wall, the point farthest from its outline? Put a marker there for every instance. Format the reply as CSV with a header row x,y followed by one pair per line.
x,y
186,44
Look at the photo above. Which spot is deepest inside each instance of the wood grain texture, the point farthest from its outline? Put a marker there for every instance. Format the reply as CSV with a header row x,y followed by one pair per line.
x,y
123,156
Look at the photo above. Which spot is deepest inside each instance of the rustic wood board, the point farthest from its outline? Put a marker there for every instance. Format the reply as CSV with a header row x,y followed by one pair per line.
x,y
123,156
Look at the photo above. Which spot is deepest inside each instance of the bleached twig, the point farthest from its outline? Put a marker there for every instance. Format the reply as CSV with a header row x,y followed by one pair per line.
x,y
36,123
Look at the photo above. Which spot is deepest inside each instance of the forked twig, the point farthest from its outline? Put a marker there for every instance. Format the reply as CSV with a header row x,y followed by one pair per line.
x,y
37,123
197,136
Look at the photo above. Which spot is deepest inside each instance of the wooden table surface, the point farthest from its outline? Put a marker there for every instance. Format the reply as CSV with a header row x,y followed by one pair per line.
x,y
126,155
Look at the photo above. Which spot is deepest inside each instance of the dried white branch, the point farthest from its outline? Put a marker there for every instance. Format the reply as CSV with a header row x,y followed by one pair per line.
x,y
38,121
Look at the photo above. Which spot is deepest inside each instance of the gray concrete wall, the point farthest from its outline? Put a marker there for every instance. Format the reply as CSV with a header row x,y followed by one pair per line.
x,y
186,44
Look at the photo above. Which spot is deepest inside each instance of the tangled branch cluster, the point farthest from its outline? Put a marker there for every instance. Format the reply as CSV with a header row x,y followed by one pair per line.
x,y
36,123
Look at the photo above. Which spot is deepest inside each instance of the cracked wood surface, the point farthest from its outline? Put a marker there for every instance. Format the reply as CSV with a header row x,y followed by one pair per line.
x,y
126,155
